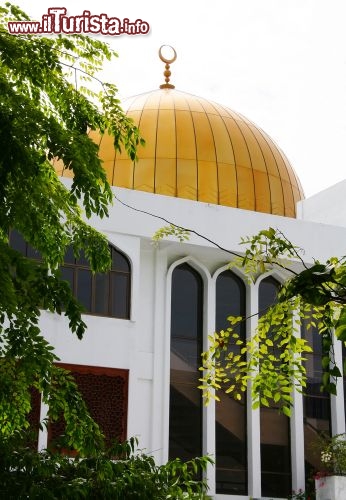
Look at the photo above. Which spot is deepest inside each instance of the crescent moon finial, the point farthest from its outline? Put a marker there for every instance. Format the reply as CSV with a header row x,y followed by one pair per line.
x,y
167,72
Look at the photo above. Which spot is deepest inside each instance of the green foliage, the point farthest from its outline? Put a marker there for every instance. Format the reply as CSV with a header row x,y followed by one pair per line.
x,y
299,495
118,473
178,232
48,105
266,249
273,358
332,452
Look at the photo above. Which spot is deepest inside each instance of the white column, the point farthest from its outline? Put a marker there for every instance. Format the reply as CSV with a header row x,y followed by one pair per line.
x,y
209,411
337,402
43,434
160,401
297,439
253,416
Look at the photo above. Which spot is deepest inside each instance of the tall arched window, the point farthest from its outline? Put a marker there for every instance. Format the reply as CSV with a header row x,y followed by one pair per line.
x,y
185,409
317,413
275,427
231,444
104,294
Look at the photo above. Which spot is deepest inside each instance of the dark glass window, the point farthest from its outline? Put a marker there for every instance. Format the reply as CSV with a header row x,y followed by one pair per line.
x,y
102,292
84,288
268,291
317,418
275,427
17,242
185,419
106,294
231,444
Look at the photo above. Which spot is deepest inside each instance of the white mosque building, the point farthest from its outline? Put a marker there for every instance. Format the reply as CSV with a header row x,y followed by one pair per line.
x,y
209,169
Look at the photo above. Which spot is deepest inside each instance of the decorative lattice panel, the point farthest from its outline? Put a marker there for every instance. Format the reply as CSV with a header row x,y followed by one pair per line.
x,y
105,391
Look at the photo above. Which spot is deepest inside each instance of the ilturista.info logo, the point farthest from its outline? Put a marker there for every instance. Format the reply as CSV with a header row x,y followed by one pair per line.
x,y
56,21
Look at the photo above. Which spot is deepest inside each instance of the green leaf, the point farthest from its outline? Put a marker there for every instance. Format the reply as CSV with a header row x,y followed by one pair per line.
x,y
286,411
256,405
277,397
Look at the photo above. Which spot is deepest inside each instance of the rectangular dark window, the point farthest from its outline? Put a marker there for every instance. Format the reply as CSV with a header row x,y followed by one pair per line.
x,y
17,242
107,294
84,288
67,274
101,294
317,419
275,453
120,294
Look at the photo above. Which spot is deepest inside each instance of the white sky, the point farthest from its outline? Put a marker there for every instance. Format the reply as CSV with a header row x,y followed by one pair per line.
x,y
281,63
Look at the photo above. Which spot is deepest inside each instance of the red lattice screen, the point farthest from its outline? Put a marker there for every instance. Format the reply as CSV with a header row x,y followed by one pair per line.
x,y
105,391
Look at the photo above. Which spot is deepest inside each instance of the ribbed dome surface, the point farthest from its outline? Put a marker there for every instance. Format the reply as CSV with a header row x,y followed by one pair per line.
x,y
199,150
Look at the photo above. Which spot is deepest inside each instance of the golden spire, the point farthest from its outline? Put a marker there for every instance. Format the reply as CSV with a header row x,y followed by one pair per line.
x,y
167,72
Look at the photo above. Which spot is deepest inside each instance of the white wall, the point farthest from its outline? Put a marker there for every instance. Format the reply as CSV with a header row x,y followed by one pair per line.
x,y
328,206
141,344
223,225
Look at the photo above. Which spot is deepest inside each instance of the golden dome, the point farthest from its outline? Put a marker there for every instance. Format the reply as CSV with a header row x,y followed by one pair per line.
x,y
202,151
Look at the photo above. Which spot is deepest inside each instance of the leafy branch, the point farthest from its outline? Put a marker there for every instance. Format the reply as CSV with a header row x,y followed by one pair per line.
x,y
45,121
272,361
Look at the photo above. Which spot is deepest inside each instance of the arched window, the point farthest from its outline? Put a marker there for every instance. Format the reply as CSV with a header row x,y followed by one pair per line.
x,y
275,428
317,412
185,411
104,294
231,444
